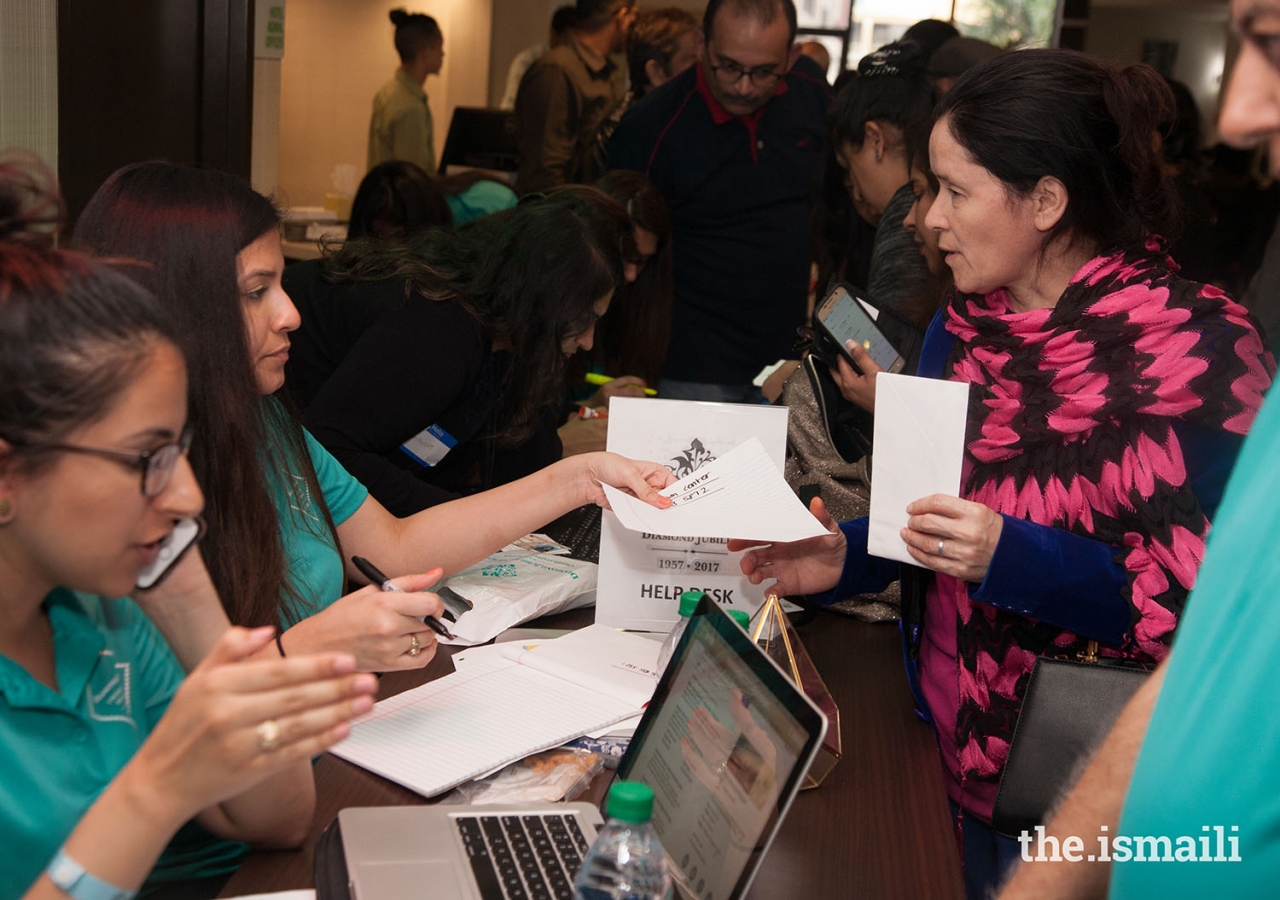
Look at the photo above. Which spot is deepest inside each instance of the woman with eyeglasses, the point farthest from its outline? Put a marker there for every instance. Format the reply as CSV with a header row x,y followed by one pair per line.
x,y
1108,400
105,750
284,516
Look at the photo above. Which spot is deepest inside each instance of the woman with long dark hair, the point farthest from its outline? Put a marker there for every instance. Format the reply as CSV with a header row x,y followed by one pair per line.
x,y
279,506
1108,398
435,367
106,750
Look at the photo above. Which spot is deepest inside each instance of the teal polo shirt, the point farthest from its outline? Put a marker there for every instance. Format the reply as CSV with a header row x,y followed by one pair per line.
x,y
314,565
59,749
481,199
1209,768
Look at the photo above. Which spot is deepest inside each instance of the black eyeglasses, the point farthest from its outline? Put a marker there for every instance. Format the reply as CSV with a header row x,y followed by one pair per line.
x,y
155,465
730,73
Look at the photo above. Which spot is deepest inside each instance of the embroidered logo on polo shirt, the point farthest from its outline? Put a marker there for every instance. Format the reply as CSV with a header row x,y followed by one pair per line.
x,y
109,695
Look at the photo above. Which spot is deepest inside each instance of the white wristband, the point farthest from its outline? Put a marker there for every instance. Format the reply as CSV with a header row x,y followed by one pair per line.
x,y
70,877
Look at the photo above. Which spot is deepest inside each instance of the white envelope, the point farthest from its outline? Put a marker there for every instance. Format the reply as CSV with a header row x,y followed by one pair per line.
x,y
918,450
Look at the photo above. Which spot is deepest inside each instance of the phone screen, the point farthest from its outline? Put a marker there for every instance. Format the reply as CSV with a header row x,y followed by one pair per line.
x,y
845,318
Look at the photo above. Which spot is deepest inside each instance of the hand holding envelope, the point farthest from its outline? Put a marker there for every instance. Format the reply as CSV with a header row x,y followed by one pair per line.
x,y
919,453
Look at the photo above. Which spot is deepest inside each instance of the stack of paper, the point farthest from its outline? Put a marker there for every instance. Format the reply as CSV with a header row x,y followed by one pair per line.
x,y
504,706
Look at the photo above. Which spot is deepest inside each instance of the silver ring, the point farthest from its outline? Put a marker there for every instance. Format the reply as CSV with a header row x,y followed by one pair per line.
x,y
941,542
268,735
415,647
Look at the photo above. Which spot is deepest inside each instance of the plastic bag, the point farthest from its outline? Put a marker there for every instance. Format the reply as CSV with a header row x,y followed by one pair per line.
x,y
545,777
514,586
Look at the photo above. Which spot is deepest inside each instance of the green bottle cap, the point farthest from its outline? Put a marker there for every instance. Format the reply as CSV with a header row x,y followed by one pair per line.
x,y
630,801
741,617
689,602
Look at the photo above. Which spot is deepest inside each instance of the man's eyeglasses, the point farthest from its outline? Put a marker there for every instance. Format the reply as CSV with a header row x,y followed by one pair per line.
x,y
730,73
155,465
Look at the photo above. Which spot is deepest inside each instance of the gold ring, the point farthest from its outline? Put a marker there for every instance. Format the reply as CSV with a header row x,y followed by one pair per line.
x,y
415,647
268,735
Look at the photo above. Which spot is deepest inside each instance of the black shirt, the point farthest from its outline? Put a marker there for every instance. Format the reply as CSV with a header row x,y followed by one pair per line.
x,y
371,368
740,189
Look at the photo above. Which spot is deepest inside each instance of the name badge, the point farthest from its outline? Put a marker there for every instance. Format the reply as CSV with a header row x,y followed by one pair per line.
x,y
429,446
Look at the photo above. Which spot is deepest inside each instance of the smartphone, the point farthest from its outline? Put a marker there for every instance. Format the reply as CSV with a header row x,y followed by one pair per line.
x,y
183,537
842,316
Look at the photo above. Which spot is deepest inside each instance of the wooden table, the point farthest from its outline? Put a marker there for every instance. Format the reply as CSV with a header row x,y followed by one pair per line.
x,y
877,827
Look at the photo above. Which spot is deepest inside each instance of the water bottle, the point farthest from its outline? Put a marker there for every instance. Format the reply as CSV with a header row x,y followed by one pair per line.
x,y
740,618
688,603
626,861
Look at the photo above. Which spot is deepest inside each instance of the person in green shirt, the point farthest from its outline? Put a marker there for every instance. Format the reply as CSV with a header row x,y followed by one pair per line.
x,y
280,506
401,127
105,750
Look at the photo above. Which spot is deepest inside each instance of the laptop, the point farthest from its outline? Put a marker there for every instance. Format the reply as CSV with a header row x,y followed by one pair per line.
x,y
725,744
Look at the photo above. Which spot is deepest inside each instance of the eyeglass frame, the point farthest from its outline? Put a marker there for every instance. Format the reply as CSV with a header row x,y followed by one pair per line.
x,y
142,460
773,74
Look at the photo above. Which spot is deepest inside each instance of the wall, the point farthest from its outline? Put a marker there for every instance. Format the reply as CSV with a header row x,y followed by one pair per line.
x,y
29,77
337,54
1116,33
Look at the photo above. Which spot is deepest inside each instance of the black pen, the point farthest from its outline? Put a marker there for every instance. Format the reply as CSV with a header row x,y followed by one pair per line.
x,y
370,571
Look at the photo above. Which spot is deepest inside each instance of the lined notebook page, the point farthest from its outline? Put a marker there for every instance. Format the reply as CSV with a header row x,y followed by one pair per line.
x,y
459,727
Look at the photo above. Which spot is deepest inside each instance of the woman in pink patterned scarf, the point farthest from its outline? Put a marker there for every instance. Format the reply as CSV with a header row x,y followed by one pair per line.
x,y
1108,401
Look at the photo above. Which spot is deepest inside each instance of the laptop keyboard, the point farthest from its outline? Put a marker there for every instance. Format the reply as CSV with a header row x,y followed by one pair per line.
x,y
528,857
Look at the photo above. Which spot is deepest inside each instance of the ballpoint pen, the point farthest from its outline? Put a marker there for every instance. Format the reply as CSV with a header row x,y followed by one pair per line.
x,y
597,379
370,571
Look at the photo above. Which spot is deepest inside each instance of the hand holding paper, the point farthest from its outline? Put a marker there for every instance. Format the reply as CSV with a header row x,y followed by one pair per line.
x,y
810,566
742,494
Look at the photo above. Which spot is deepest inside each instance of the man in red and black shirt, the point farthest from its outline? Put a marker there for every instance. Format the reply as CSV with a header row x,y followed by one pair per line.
x,y
735,145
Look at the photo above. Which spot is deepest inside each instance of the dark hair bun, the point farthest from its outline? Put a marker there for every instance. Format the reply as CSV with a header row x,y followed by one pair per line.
x,y
399,17
892,59
30,205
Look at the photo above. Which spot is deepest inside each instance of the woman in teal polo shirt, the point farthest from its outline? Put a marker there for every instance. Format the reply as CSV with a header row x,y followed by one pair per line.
x,y
279,506
104,750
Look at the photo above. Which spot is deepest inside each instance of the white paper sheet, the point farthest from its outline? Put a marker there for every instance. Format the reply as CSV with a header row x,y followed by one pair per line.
x,y
919,450
740,494
461,726
618,663
643,573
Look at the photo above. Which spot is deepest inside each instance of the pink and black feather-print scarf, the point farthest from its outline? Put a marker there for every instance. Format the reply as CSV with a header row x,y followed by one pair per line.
x,y
1071,426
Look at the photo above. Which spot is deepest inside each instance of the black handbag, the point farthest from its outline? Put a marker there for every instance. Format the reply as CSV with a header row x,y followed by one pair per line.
x,y
1069,708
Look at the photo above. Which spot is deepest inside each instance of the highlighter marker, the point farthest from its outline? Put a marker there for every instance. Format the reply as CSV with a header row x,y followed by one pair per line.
x,y
597,379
